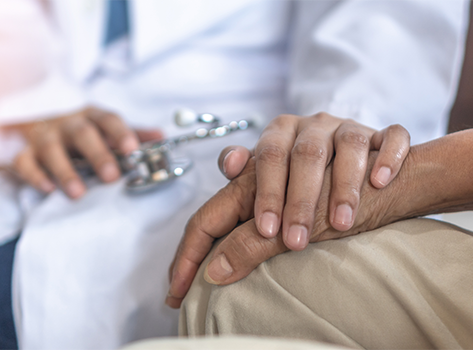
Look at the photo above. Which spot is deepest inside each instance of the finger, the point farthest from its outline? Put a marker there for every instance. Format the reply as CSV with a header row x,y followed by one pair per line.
x,y
55,159
312,152
86,139
215,219
30,171
232,160
149,135
120,135
273,153
240,253
352,145
393,144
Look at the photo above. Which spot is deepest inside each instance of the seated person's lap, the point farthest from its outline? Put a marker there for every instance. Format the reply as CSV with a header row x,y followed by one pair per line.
x,y
407,285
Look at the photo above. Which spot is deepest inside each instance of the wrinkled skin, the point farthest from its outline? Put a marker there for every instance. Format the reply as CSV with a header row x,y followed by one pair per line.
x,y
243,249
291,157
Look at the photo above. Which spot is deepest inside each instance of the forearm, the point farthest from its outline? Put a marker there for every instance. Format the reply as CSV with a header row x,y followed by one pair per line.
x,y
436,178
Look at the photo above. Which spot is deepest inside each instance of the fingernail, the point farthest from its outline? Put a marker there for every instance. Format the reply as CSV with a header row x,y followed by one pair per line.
x,y
168,301
218,270
269,224
297,237
109,172
75,188
383,175
343,215
225,167
47,186
172,302
129,144
169,298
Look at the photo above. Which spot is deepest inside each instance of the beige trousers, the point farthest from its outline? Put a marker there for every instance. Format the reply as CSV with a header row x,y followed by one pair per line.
x,y
407,285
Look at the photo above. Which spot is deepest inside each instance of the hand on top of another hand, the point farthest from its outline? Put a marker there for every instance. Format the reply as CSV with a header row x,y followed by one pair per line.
x,y
244,248
291,157
93,133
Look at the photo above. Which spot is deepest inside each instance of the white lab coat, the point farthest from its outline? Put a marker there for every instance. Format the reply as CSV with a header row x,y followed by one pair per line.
x,y
92,273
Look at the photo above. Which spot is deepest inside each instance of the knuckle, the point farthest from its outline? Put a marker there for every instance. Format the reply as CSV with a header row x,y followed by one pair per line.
x,y
108,117
83,129
273,154
355,139
350,121
271,200
243,194
90,111
246,249
322,116
282,122
309,150
283,119
398,129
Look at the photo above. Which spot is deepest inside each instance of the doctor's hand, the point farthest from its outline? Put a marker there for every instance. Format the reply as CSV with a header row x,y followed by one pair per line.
x,y
243,249
291,157
92,133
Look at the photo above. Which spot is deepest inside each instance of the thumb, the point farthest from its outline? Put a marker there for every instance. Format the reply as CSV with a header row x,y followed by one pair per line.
x,y
232,160
240,253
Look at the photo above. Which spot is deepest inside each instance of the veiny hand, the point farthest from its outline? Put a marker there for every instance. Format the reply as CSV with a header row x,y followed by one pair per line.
x,y
291,157
244,248
91,132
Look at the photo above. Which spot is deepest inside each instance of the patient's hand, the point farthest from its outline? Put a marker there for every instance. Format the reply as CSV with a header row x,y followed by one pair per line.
x,y
291,157
244,248
91,132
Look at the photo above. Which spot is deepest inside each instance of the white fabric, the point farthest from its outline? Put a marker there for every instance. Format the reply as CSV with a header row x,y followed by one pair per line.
x,y
93,273
229,343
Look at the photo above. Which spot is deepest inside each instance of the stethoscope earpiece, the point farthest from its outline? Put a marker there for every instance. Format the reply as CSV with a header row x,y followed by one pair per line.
x,y
185,117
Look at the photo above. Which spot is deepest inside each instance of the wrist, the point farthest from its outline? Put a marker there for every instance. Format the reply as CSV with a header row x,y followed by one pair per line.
x,y
435,178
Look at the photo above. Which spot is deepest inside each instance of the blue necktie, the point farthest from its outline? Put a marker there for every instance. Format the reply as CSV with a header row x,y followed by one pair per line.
x,y
117,23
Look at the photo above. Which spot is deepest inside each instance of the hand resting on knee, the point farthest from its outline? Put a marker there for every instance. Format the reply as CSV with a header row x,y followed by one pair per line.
x,y
435,178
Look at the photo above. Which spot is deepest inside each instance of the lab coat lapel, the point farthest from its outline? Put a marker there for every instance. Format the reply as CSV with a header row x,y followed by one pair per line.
x,y
158,25
82,23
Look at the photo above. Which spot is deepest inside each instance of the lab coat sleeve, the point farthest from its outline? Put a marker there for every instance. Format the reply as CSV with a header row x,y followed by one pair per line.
x,y
379,62
33,84
54,95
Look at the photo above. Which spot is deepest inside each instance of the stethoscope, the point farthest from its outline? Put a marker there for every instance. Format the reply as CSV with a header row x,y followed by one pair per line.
x,y
152,166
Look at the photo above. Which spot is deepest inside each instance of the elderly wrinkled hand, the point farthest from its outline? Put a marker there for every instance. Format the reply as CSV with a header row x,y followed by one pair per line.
x,y
244,248
291,157
92,133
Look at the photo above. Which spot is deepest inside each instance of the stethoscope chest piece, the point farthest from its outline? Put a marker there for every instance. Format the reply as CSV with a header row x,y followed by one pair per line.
x,y
153,168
